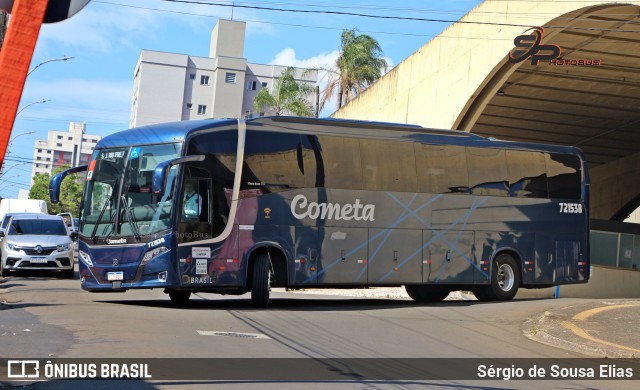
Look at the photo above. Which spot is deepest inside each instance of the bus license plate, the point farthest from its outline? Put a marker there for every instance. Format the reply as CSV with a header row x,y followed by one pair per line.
x,y
38,260
115,275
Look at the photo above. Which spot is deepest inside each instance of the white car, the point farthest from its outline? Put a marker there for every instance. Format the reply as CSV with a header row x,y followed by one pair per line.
x,y
37,242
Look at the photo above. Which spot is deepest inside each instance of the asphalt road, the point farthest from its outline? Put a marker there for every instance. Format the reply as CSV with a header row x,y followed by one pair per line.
x,y
48,317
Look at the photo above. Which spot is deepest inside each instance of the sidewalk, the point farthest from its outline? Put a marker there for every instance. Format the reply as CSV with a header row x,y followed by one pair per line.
x,y
604,328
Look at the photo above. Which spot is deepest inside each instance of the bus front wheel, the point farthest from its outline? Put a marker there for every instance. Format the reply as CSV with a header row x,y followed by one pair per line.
x,y
426,293
261,281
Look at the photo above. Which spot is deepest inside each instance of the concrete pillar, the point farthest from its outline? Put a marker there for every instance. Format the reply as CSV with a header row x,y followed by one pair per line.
x,y
613,185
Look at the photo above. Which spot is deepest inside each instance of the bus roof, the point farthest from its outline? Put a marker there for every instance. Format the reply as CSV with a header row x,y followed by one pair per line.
x,y
179,131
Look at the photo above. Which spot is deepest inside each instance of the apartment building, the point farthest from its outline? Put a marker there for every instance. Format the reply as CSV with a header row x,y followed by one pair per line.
x,y
70,148
173,87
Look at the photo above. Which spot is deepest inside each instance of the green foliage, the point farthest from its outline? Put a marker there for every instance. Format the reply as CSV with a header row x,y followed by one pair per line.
x,y
289,96
359,65
70,192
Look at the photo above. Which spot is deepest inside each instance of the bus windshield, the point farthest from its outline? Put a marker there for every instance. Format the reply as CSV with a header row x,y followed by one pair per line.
x,y
119,200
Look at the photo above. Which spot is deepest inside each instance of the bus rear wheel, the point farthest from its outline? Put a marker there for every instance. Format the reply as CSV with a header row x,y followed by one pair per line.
x,y
261,281
505,280
427,293
178,297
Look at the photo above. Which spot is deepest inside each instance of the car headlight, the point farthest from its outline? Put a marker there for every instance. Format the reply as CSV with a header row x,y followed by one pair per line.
x,y
62,247
86,258
11,247
153,253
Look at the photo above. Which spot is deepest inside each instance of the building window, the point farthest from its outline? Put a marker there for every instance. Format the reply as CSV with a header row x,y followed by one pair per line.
x,y
59,137
70,138
202,109
95,141
230,78
251,85
204,80
189,106
59,144
48,152
264,85
192,76
39,150
38,158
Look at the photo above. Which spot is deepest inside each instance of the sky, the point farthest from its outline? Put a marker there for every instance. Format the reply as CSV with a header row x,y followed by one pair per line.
x,y
106,37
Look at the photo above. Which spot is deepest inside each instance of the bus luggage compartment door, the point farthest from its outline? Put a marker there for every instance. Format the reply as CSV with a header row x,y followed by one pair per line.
x,y
447,257
343,256
395,256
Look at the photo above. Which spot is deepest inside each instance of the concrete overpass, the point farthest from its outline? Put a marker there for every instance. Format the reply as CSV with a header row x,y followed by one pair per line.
x,y
463,80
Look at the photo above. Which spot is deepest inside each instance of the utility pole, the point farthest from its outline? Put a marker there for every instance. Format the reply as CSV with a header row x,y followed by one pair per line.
x,y
317,101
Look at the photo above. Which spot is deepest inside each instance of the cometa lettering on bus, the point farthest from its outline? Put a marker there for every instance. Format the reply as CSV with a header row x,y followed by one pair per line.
x,y
334,211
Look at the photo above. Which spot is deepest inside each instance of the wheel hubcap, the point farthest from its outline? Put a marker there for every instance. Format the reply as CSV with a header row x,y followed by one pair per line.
x,y
506,277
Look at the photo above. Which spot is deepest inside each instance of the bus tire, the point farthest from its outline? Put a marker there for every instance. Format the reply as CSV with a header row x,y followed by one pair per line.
x,y
179,297
505,279
261,281
427,293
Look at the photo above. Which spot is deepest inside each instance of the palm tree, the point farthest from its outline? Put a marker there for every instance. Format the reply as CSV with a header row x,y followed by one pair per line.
x,y
289,96
359,65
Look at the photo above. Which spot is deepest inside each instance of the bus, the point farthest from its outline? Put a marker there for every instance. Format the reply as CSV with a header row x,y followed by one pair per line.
x,y
233,206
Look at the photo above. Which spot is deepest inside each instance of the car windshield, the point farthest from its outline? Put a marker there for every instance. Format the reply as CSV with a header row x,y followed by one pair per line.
x,y
37,227
119,200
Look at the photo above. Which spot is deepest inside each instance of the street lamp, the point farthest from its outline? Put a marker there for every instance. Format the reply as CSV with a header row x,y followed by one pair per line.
x,y
31,104
64,58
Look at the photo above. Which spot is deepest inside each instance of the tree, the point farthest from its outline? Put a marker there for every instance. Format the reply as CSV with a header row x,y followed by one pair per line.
x,y
358,65
289,96
70,192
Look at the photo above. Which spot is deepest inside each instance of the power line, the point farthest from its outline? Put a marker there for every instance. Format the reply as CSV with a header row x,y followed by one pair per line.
x,y
514,14
407,18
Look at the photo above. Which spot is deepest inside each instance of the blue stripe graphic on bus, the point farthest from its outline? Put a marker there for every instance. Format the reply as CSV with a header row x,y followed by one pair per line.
x,y
389,231
393,225
440,235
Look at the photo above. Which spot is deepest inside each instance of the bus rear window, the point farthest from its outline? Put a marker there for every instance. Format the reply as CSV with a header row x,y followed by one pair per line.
x,y
564,176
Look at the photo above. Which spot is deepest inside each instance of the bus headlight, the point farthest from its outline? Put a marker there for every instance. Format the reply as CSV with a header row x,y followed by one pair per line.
x,y
86,258
153,253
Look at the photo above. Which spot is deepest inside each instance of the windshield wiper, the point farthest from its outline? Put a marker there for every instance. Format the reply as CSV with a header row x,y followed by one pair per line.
x,y
95,228
130,217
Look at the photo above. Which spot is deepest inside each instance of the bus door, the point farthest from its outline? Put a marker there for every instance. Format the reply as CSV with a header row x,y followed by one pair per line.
x,y
569,255
395,256
448,257
194,224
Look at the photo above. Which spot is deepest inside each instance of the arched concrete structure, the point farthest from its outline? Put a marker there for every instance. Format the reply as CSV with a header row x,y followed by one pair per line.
x,y
462,79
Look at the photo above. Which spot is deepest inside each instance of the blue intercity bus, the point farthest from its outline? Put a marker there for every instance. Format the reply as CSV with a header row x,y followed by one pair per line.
x,y
234,206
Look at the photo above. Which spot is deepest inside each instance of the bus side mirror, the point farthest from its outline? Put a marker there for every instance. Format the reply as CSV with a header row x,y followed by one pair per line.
x,y
162,169
56,181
